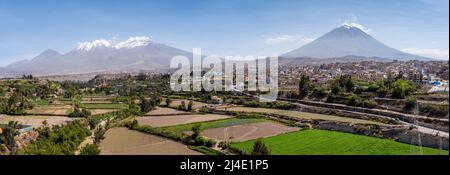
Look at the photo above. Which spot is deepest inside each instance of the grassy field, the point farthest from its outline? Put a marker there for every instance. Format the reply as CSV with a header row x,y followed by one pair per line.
x,y
215,124
321,142
303,115
105,106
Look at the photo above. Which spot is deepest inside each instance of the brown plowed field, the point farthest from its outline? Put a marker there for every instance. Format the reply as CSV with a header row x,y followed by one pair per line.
x,y
121,141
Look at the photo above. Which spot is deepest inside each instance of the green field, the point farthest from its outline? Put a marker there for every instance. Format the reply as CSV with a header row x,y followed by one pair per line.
x,y
215,124
321,142
105,106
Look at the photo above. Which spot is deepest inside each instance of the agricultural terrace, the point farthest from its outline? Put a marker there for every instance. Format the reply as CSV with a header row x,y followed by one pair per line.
x,y
302,115
321,142
121,141
215,124
161,121
35,121
248,131
53,109
164,111
196,105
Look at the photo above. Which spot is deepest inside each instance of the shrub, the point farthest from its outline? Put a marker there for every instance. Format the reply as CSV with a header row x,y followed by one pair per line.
x,y
319,92
382,92
99,134
353,100
435,110
252,104
204,110
369,103
77,113
90,149
224,145
331,98
410,102
373,88
259,148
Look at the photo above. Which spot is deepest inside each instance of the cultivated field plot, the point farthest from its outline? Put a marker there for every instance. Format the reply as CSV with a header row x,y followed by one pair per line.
x,y
52,109
96,99
248,131
321,142
95,102
105,106
178,119
121,141
303,115
101,111
196,105
35,121
165,111
215,124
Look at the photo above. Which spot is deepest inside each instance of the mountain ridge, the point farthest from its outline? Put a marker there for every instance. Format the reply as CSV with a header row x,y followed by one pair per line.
x,y
136,53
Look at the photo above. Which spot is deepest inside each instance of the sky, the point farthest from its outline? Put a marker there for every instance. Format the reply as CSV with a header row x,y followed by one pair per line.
x,y
221,27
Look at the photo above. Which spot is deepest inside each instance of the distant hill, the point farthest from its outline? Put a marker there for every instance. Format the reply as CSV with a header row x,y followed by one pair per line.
x,y
137,53
349,41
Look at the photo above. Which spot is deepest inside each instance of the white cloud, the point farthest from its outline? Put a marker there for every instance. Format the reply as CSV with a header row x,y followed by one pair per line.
x,y
131,42
284,39
432,53
351,21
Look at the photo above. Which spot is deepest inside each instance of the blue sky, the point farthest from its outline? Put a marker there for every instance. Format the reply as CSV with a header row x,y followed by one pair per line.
x,y
223,27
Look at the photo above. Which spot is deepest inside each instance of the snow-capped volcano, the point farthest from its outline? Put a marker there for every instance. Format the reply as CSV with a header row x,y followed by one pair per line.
x,y
87,46
349,40
133,54
134,42
131,42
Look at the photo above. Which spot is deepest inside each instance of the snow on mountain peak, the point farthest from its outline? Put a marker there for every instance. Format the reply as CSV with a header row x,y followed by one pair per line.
x,y
87,46
133,42
350,25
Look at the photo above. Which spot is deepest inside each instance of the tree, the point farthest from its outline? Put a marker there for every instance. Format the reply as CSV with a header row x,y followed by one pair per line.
x,y
190,104
335,89
168,101
182,106
403,88
8,136
196,131
349,83
259,148
344,82
382,91
90,149
304,86
146,105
